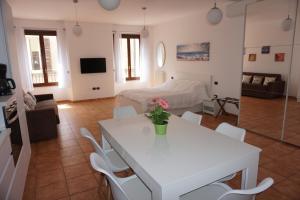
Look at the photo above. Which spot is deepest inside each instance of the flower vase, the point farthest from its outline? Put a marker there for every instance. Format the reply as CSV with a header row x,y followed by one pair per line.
x,y
161,129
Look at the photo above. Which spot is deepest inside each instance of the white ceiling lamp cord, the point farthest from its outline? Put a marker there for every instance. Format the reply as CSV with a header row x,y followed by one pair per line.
x,y
287,22
144,32
77,30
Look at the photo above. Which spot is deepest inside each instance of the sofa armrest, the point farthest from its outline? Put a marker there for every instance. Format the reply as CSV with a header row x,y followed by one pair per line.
x,y
277,87
41,124
43,97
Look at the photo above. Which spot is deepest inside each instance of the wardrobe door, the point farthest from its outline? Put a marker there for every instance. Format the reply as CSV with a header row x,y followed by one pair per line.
x,y
292,117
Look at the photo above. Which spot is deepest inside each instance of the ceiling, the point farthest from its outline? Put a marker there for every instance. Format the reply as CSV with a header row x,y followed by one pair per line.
x,y
129,12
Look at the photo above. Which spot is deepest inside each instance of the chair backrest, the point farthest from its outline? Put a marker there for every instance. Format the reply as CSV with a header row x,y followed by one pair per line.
x,y
124,112
97,148
100,165
231,131
192,117
249,193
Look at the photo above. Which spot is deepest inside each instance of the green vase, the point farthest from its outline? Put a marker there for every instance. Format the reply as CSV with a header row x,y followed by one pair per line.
x,y
160,129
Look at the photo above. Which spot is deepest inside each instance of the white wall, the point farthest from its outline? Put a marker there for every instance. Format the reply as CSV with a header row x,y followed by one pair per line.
x,y
226,49
268,32
95,41
3,51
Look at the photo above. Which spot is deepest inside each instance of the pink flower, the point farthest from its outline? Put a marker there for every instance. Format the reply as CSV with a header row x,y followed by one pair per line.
x,y
163,103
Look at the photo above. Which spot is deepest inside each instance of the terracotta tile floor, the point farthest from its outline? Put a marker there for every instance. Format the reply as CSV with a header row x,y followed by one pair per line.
x,y
59,168
254,111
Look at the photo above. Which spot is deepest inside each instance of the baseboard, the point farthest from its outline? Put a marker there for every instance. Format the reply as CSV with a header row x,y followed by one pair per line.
x,y
85,100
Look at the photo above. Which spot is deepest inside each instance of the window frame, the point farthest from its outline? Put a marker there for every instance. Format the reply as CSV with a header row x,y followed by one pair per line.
x,y
41,34
128,37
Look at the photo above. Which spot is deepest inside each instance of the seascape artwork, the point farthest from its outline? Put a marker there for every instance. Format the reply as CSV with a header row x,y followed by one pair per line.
x,y
193,52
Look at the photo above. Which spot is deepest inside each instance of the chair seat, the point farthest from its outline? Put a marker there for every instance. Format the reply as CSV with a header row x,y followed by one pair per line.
x,y
136,189
227,178
116,161
210,192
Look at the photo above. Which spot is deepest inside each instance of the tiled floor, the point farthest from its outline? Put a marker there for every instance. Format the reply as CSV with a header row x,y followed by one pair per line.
x,y
271,112
59,168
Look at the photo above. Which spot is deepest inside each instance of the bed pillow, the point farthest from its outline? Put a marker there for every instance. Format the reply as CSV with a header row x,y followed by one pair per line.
x,y
257,80
246,78
269,80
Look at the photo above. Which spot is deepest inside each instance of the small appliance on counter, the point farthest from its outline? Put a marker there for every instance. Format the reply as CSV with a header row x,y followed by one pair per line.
x,y
6,84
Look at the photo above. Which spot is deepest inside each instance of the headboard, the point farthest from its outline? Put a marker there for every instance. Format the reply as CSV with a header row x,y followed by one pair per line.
x,y
207,79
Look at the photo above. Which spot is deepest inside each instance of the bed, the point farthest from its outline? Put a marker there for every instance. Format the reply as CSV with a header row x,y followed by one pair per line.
x,y
183,91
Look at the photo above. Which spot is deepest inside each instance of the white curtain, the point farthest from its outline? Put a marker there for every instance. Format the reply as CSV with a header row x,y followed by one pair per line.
x,y
23,59
63,59
119,71
145,59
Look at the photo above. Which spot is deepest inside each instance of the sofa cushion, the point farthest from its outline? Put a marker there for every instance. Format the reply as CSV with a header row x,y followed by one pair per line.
x,y
269,80
246,79
47,104
29,101
257,80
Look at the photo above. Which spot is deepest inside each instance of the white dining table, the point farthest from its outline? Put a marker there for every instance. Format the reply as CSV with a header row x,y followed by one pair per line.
x,y
188,157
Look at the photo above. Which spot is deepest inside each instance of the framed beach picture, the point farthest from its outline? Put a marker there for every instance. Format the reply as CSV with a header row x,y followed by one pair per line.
x,y
279,57
193,52
265,50
252,57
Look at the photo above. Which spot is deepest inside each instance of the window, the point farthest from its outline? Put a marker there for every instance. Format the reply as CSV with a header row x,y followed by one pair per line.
x,y
42,53
131,56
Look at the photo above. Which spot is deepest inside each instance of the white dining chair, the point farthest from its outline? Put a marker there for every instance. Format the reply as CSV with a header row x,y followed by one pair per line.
x,y
129,188
231,131
221,191
234,133
132,188
112,158
192,117
120,112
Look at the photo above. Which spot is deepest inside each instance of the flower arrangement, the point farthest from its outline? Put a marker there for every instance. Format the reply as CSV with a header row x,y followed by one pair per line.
x,y
158,115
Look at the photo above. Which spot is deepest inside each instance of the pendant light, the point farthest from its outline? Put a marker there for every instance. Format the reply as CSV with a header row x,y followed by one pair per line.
x,y
144,32
109,4
287,22
215,15
77,30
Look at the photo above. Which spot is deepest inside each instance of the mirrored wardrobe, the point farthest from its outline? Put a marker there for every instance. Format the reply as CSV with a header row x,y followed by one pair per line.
x,y
270,101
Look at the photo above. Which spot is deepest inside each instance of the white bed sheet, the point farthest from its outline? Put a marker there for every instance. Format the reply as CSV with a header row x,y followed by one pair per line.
x,y
179,93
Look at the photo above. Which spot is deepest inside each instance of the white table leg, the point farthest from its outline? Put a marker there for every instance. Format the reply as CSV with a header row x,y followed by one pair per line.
x,y
105,144
249,175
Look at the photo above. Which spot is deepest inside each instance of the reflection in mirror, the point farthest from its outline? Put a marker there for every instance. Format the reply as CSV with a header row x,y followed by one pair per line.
x,y
292,120
266,66
161,54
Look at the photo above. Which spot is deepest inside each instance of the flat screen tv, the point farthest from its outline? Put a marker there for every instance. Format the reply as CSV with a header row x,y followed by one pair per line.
x,y
92,65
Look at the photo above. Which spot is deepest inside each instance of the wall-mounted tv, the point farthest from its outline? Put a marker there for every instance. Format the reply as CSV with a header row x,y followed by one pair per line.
x,y
92,65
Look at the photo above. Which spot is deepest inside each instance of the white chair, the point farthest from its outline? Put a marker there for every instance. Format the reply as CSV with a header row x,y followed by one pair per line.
x,y
221,191
121,112
124,112
231,131
234,133
132,188
192,117
129,188
112,158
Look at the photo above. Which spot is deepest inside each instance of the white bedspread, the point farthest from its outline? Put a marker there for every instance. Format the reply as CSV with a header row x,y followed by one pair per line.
x,y
179,93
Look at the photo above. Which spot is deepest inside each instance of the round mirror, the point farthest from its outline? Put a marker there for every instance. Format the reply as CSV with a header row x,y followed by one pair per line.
x,y
161,54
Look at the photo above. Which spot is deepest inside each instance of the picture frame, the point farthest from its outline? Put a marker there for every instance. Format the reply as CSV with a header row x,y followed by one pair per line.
x,y
252,57
265,49
193,52
279,57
